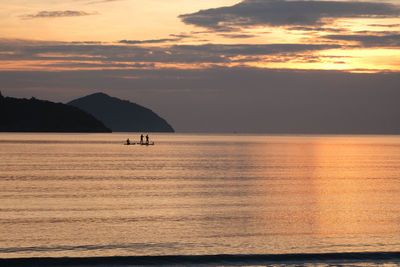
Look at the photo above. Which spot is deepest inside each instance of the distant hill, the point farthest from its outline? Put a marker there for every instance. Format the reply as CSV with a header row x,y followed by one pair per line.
x,y
33,115
121,115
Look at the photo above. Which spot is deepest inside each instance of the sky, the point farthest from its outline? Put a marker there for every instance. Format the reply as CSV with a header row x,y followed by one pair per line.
x,y
213,66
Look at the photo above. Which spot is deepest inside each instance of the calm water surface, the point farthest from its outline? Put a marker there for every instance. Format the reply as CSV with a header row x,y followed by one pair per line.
x,y
89,195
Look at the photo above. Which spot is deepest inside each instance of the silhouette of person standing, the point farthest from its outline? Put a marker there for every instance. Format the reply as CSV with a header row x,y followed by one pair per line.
x,y
128,142
147,138
141,138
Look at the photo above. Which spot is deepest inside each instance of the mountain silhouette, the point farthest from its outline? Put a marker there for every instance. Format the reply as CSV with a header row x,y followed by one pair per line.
x,y
33,115
121,115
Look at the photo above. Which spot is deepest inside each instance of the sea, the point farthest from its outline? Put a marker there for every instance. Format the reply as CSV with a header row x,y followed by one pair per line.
x,y
211,198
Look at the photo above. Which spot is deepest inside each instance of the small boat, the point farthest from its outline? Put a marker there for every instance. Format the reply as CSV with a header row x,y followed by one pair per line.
x,y
145,143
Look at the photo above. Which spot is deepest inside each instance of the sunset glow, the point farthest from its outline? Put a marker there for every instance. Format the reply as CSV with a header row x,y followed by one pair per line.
x,y
49,30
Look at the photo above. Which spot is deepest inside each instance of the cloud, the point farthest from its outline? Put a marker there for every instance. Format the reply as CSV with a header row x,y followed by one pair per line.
x,y
385,25
316,29
94,66
152,41
172,54
249,13
237,36
57,14
370,39
182,35
252,49
175,38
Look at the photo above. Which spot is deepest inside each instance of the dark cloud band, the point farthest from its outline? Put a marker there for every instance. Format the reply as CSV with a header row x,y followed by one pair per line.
x,y
153,41
58,14
186,54
250,13
371,39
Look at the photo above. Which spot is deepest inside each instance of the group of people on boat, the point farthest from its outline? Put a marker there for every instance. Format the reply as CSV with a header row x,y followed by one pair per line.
x,y
128,142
